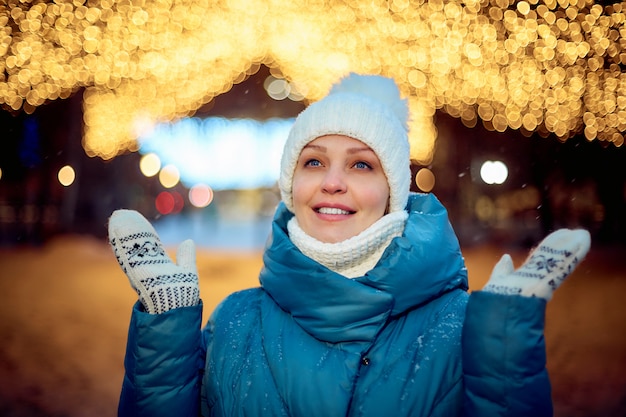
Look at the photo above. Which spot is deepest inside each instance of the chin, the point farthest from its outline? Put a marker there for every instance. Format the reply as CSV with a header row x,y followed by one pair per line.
x,y
332,238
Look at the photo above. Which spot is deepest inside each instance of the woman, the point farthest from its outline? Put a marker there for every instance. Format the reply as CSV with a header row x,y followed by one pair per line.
x,y
363,307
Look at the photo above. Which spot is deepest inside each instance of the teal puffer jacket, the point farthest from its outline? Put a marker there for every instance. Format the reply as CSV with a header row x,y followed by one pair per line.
x,y
310,342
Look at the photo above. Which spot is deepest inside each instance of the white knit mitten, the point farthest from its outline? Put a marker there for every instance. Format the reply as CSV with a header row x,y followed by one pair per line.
x,y
161,284
545,269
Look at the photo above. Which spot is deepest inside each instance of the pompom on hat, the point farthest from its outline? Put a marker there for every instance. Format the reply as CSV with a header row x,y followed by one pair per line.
x,y
364,107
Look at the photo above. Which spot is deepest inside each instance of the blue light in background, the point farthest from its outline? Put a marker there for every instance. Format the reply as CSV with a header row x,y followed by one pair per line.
x,y
30,145
222,153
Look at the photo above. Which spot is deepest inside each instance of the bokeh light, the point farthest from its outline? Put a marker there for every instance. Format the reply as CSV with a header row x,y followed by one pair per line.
x,y
224,153
545,66
494,172
66,176
169,202
200,195
278,89
169,176
425,180
484,208
150,164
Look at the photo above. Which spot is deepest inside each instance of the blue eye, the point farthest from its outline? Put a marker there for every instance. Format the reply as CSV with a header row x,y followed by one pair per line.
x,y
312,163
362,165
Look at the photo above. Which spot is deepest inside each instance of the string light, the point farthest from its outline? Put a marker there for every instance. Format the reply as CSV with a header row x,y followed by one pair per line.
x,y
546,66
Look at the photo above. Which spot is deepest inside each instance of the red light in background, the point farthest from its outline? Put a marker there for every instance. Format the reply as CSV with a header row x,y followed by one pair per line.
x,y
169,202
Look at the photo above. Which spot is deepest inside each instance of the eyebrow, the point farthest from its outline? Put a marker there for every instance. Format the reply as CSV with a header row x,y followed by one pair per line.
x,y
364,148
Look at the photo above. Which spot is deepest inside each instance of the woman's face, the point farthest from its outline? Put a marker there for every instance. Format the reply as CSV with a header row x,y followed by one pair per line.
x,y
339,188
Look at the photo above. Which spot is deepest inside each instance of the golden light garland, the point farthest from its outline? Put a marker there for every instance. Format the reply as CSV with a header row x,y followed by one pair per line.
x,y
547,66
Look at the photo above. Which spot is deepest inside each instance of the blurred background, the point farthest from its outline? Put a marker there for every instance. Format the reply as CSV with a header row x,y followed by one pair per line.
x,y
218,168
180,109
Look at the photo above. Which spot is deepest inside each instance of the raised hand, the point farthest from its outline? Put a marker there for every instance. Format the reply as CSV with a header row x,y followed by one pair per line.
x,y
161,284
545,269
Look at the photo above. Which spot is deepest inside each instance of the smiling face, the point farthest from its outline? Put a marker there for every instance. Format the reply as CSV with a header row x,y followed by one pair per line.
x,y
339,188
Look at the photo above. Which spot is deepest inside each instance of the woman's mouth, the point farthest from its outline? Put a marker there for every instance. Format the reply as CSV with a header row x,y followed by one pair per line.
x,y
333,210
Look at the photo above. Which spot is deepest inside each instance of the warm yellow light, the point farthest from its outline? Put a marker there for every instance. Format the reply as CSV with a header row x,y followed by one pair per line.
x,y
66,176
277,89
169,176
150,164
546,66
425,180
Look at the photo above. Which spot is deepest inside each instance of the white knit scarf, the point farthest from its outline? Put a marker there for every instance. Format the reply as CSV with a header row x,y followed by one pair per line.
x,y
355,256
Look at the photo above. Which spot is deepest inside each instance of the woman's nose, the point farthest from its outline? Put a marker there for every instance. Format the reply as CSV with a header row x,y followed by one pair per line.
x,y
334,181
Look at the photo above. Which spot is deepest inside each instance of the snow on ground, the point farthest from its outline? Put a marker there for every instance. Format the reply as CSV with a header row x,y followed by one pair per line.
x,y
65,307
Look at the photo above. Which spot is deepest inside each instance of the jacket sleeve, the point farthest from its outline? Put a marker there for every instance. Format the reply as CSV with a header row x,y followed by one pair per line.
x,y
504,357
163,364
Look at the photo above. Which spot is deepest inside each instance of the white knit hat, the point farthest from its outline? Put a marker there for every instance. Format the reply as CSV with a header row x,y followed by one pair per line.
x,y
364,107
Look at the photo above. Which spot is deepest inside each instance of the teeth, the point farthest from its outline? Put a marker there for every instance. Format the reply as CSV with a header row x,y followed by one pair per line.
x,y
332,210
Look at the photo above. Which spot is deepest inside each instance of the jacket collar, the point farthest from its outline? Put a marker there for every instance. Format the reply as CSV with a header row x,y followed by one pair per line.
x,y
422,264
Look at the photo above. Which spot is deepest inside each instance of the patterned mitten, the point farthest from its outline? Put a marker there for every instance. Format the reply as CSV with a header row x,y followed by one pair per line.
x,y
161,284
545,269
